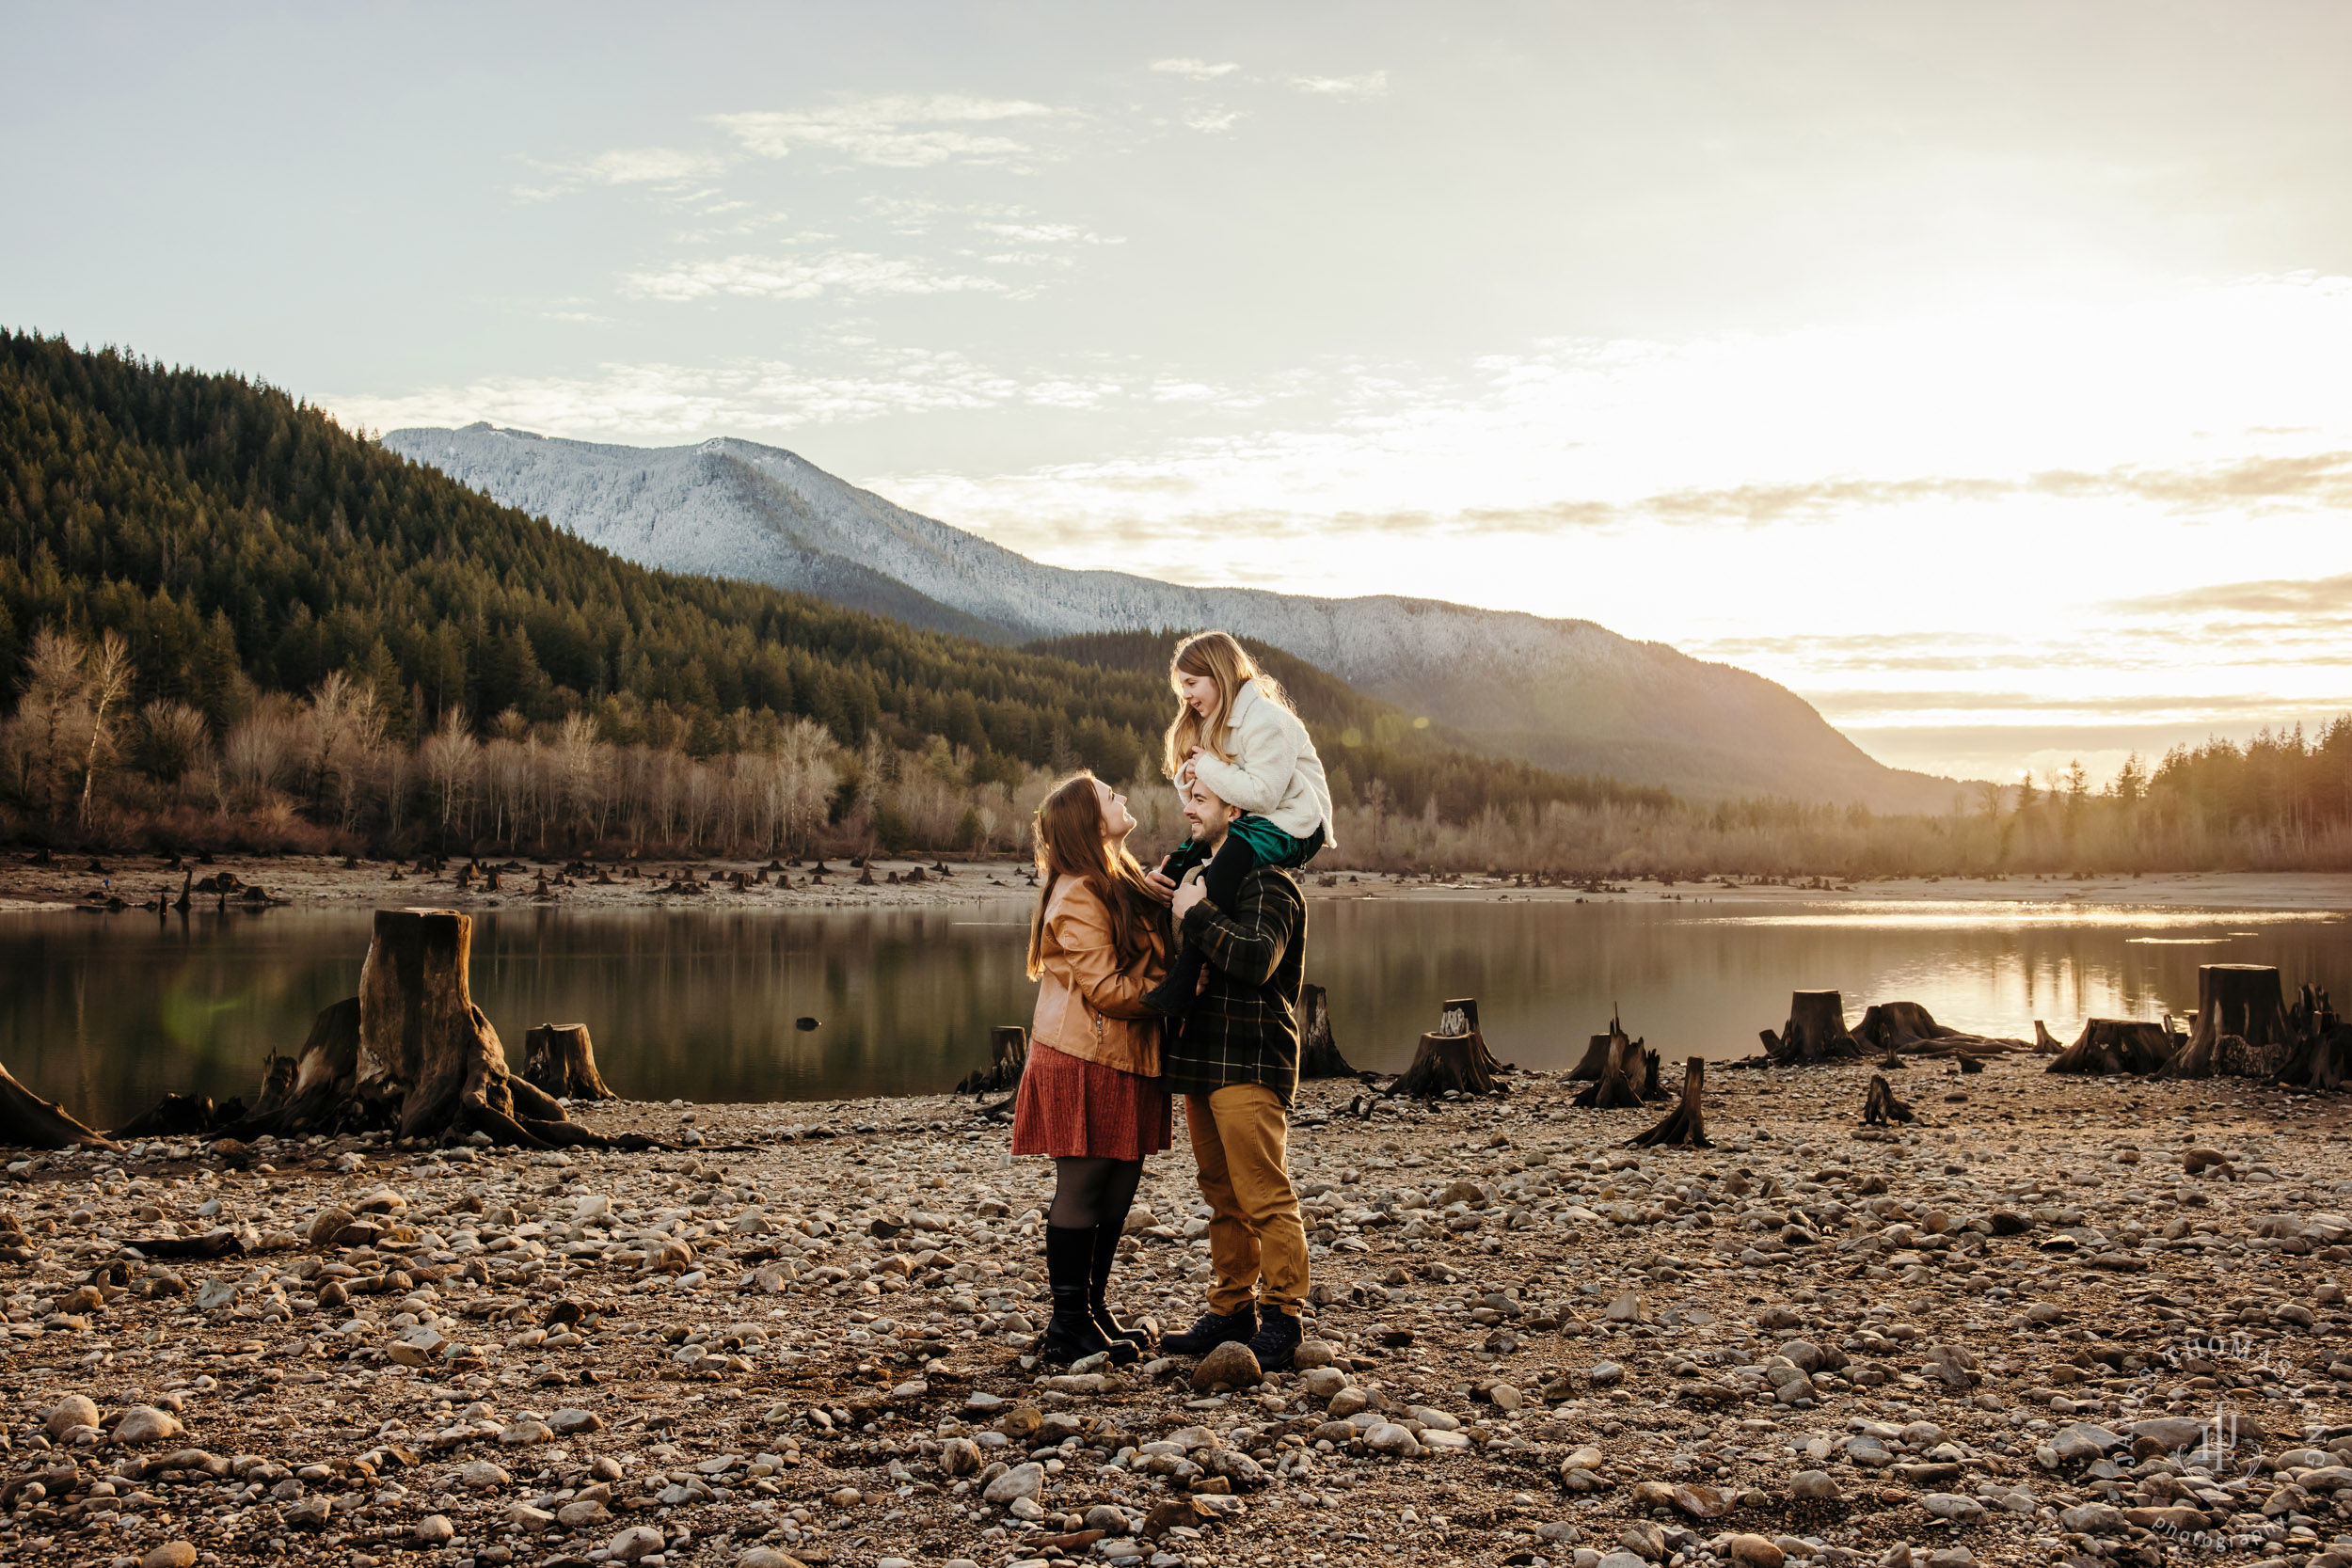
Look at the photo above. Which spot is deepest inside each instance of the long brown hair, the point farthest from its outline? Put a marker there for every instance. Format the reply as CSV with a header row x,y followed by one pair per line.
x,y
1071,842
1224,661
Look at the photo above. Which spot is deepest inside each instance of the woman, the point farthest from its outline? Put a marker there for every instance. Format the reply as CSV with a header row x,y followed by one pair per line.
x,y
1089,1095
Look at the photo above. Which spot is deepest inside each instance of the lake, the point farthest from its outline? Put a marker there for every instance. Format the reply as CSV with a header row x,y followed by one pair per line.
x,y
107,1012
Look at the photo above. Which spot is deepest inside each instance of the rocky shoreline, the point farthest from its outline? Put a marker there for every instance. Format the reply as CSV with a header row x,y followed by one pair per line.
x,y
1999,1338
62,882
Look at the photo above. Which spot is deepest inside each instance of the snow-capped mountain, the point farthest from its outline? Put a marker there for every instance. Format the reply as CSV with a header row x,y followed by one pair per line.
x,y
1565,693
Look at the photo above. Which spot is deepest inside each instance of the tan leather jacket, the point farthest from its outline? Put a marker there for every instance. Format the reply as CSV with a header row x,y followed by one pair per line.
x,y
1087,1006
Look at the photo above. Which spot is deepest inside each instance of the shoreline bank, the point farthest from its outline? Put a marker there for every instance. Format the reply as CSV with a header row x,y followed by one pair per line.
x,y
326,881
1810,1335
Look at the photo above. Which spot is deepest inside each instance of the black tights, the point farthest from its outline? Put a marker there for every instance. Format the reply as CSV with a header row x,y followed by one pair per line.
x,y
1091,1192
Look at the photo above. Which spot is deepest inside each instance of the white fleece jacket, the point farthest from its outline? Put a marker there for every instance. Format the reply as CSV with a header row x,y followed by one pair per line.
x,y
1274,772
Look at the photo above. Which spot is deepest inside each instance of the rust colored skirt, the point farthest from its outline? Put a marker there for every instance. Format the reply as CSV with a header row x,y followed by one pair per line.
x,y
1068,1108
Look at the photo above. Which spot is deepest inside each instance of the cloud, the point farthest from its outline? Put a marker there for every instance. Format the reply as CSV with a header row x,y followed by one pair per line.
x,y
801,278
1372,83
2299,597
661,401
1214,121
665,167
904,132
1198,70
1048,233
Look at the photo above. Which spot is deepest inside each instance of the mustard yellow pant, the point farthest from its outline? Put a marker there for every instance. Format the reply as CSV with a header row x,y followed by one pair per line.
x,y
1256,1242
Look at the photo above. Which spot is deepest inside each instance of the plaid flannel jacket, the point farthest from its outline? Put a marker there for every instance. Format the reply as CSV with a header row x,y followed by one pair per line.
x,y
1244,1028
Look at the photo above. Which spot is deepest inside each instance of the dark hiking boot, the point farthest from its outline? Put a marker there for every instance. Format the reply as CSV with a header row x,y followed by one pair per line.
x,y
1070,1335
1276,1341
1135,1342
1213,1330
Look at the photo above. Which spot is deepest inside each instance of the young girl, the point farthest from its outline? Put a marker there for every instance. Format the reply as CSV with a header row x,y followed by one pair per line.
x,y
1091,1095
1234,730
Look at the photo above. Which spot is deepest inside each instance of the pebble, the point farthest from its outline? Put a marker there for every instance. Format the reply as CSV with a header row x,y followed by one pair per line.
x,y
171,1554
435,1530
1813,1486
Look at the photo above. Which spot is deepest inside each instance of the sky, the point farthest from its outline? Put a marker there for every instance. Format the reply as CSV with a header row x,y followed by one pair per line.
x,y
1982,371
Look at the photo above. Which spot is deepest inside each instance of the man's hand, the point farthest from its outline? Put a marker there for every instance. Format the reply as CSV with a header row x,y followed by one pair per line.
x,y
1156,883
1186,896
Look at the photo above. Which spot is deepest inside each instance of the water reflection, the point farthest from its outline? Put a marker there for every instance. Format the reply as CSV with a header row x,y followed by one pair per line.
x,y
107,1013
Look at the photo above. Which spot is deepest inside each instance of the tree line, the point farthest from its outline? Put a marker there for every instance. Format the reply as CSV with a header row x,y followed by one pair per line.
x,y
218,606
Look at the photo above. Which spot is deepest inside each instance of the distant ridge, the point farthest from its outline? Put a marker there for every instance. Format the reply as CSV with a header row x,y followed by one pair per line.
x,y
1566,694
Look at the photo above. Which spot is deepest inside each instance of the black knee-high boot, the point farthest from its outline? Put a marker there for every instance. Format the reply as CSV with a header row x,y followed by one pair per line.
x,y
1106,1257
1070,1274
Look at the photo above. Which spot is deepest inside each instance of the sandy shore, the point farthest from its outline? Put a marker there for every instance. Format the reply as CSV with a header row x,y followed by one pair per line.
x,y
319,882
1806,1343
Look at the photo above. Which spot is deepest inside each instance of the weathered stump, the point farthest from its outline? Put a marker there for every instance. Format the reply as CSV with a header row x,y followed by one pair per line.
x,y
1879,1106
2044,1043
411,1052
559,1058
1451,1057
1443,1062
1686,1126
1318,1053
1907,1027
2111,1045
1623,1075
1008,1054
2321,1058
177,1116
28,1121
1816,1032
2242,1002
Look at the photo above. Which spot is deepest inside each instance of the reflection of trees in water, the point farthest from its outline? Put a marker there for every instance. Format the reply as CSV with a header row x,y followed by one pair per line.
x,y
106,1014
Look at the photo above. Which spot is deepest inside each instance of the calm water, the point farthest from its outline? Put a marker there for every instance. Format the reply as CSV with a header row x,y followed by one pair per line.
x,y
106,1013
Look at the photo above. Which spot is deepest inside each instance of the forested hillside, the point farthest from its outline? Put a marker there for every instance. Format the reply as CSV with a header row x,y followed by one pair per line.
x,y
251,555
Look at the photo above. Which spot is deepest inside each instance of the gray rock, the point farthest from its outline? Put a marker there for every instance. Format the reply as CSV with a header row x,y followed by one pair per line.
x,y
483,1476
1813,1486
2093,1519
1390,1438
633,1542
583,1514
1605,1374
2084,1440
569,1421
434,1529
1951,1505
1022,1480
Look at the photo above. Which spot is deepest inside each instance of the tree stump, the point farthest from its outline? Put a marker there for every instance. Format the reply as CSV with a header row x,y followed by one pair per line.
x,y
1595,1058
1686,1126
1453,1057
1907,1027
1816,1032
2321,1058
1318,1053
1623,1075
2243,1002
1443,1062
1879,1106
559,1058
413,1054
2111,1045
28,1121
177,1116
1008,1054
2044,1043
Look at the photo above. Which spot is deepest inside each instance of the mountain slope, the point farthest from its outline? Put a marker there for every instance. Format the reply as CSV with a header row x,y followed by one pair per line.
x,y
1566,694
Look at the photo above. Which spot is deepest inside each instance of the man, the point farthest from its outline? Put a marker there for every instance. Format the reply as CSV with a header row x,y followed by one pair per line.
x,y
1236,1065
